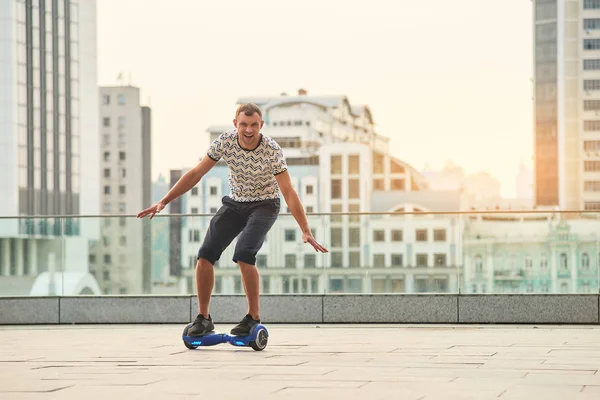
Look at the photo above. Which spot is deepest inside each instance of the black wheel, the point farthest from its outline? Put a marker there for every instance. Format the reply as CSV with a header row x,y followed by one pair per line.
x,y
189,346
262,338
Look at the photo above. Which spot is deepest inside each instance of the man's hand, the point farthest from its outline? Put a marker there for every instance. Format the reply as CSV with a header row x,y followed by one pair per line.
x,y
308,237
152,210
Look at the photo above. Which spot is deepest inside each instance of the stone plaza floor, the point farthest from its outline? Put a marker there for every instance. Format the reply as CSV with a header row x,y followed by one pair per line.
x,y
303,361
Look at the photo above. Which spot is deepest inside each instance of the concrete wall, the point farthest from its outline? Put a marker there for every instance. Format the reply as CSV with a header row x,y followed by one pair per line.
x,y
439,309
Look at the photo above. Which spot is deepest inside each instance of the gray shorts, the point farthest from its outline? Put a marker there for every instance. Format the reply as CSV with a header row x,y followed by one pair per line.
x,y
253,219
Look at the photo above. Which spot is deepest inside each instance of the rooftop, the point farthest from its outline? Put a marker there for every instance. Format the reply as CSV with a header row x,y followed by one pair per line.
x,y
303,361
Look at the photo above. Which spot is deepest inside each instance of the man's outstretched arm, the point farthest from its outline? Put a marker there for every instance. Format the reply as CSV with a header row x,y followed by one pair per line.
x,y
296,208
185,183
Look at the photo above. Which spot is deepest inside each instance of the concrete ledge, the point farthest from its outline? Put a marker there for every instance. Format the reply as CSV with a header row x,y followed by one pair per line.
x,y
226,309
108,309
29,310
525,308
276,309
390,308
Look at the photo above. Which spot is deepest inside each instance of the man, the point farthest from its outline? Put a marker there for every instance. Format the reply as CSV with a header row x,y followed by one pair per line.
x,y
257,175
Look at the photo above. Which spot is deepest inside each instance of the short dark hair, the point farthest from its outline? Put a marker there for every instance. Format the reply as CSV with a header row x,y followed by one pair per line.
x,y
248,109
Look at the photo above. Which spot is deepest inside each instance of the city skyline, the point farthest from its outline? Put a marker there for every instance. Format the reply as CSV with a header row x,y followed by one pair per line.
x,y
434,102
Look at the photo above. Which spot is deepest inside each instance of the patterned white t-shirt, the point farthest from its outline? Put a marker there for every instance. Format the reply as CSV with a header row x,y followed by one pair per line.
x,y
251,172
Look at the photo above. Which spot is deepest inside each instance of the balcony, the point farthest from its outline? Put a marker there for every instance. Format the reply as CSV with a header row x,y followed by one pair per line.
x,y
535,266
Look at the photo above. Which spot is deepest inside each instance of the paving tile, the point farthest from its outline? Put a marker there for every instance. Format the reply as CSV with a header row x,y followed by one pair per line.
x,y
332,361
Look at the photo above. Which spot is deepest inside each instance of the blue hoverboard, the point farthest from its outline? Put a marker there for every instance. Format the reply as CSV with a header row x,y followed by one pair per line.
x,y
257,339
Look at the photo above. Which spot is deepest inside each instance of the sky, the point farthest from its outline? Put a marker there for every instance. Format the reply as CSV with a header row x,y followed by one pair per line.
x,y
445,80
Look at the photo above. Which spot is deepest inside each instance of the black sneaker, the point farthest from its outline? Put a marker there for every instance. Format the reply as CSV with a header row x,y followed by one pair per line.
x,y
245,325
201,326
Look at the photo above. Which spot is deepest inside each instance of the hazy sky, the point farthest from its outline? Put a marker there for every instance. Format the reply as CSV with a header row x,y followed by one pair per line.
x,y
444,79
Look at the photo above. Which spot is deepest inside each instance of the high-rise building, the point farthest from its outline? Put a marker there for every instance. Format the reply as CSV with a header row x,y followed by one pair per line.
x,y
567,103
121,259
48,125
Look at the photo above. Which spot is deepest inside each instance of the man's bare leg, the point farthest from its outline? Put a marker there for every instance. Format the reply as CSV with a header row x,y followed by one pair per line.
x,y
205,280
250,278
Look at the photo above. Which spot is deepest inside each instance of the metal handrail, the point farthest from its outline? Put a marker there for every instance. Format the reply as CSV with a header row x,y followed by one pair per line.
x,y
470,212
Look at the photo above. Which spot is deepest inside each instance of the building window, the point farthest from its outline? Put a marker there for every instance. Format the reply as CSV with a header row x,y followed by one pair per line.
x,y
195,191
122,189
591,186
106,189
421,260
591,65
396,260
591,84
398,184
106,122
591,44
378,260
421,235
309,189
107,156
336,259
396,168
336,189
336,165
378,163
591,205
194,235
213,210
354,188
378,184
122,122
354,236
591,166
379,235
107,259
353,164
564,263
107,172
213,190
439,235
592,145
121,99
591,4
121,156
122,207
336,208
336,237
123,172
261,260
591,105
440,260
106,99
310,261
354,258
290,261
397,235
290,235
123,241
194,210
309,209
585,261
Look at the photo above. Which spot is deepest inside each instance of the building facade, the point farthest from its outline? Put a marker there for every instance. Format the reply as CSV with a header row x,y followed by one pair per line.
x,y
48,126
338,164
121,258
567,103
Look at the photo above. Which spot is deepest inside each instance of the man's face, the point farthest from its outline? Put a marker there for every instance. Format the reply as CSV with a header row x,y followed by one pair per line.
x,y
249,129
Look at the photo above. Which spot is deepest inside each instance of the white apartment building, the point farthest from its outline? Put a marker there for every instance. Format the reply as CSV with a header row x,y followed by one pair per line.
x,y
567,103
48,125
338,164
121,258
